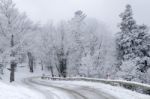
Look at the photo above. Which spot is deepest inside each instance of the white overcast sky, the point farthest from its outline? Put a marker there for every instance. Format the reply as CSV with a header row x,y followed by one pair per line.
x,y
104,10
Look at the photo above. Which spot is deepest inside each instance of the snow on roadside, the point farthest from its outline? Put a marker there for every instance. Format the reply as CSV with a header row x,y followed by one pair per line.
x,y
20,74
118,92
18,92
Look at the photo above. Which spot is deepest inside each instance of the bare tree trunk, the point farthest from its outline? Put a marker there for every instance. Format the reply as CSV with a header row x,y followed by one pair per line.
x,y
13,64
59,74
42,67
31,62
63,67
51,69
12,73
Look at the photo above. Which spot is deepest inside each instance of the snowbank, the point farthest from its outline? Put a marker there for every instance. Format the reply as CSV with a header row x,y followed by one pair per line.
x,y
18,92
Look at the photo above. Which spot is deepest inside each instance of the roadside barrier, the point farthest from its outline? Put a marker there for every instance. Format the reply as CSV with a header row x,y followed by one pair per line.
x,y
134,86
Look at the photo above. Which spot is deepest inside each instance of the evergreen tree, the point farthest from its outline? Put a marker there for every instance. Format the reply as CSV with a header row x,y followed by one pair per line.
x,y
125,37
77,31
133,45
142,42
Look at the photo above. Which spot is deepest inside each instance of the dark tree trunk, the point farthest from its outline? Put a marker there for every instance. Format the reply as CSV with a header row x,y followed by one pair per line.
x,y
63,67
62,63
31,62
51,69
58,69
13,64
12,73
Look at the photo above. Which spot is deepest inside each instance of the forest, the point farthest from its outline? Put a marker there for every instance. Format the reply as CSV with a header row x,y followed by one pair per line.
x,y
76,47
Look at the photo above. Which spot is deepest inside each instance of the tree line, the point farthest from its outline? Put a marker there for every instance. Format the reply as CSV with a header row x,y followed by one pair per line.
x,y
81,46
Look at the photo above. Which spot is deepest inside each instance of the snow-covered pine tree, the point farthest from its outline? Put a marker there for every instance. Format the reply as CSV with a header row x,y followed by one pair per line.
x,y
76,29
124,44
142,42
133,45
142,52
125,36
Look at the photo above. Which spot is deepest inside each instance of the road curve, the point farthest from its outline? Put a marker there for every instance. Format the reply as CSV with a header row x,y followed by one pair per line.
x,y
65,91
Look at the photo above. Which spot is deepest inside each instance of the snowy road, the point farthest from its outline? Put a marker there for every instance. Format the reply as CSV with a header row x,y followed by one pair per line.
x,y
80,90
54,90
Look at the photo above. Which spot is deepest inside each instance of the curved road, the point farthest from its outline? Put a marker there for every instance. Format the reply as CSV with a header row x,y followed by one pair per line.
x,y
65,91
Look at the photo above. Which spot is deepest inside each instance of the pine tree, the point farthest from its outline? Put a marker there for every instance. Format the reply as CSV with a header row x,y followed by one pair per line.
x,y
76,29
124,38
142,41
133,46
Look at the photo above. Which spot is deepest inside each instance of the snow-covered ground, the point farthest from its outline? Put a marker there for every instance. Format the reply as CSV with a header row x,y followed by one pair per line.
x,y
65,90
15,91
22,89
22,72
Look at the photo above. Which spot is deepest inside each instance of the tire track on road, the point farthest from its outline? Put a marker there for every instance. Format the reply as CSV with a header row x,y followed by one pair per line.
x,y
52,90
74,94
48,94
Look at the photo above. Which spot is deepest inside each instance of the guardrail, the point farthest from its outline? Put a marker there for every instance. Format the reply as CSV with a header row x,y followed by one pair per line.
x,y
134,86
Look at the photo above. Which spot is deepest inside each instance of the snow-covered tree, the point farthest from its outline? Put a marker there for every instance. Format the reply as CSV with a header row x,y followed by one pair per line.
x,y
133,47
76,29
98,45
47,47
13,26
64,47
125,37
